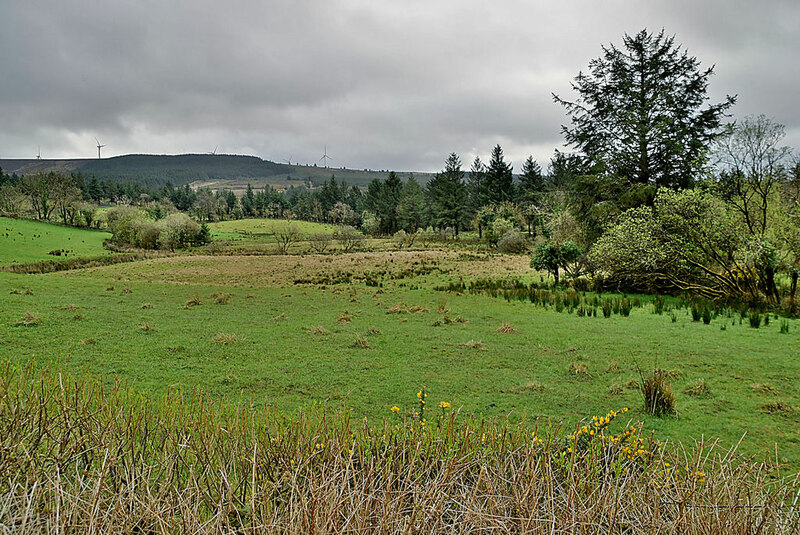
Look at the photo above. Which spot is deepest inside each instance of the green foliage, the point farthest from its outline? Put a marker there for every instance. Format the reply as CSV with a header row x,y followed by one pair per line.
x,y
552,258
499,178
447,195
689,241
633,98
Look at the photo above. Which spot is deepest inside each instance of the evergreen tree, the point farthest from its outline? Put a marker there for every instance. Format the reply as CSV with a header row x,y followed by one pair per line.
x,y
382,199
499,178
248,202
532,180
641,114
447,194
476,185
411,211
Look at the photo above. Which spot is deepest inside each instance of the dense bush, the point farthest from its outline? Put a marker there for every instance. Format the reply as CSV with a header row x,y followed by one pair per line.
x,y
131,227
513,242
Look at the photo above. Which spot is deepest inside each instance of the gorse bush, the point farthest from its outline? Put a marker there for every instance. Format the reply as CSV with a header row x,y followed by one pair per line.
x,y
86,455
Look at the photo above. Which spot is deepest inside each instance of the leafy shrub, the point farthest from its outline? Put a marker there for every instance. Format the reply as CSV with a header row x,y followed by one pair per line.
x,y
513,242
320,242
755,319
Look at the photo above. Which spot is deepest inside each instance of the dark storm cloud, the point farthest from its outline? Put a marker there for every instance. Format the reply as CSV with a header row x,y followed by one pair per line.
x,y
383,84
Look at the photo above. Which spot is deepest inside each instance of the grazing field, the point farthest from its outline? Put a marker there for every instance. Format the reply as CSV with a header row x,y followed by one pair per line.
x,y
260,230
368,330
22,241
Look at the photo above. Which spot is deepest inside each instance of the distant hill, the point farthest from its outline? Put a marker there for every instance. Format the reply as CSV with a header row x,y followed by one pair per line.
x,y
156,170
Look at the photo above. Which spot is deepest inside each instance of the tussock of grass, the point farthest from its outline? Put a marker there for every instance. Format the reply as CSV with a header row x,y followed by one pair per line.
x,y
318,330
69,307
764,389
777,407
29,319
75,461
659,400
146,327
88,341
146,306
475,344
223,338
360,343
698,389
579,368
221,298
193,302
126,291
507,328
344,317
447,320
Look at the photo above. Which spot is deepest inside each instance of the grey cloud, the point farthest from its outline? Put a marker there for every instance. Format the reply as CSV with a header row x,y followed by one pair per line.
x,y
384,85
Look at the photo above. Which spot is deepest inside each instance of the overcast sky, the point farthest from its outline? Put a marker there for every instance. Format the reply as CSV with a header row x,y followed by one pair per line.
x,y
385,85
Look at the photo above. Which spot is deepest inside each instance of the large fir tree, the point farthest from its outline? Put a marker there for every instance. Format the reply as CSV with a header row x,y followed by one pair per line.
x,y
641,112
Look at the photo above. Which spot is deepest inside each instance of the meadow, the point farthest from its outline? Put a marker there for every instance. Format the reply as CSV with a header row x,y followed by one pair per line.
x,y
366,331
23,241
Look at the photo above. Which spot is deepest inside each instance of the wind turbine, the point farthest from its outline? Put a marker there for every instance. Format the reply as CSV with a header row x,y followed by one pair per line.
x,y
213,152
99,146
325,157
288,160
39,153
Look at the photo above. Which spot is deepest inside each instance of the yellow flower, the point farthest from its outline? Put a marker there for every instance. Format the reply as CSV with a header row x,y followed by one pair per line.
x,y
444,405
395,409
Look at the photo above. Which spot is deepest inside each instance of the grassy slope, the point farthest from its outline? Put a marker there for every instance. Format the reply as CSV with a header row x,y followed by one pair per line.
x,y
26,241
274,355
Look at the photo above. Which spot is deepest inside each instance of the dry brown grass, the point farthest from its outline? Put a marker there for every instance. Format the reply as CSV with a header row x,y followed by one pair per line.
x,y
224,338
318,330
507,328
285,270
29,319
194,301
475,344
74,461
221,298
344,317
146,306
360,342
579,368
88,341
146,327
777,407
764,389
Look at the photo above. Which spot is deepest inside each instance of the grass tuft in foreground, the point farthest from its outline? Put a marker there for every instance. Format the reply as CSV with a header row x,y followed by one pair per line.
x,y
80,454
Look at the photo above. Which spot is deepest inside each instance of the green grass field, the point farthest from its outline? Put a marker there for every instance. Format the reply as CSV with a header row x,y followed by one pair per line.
x,y
27,241
368,348
262,230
